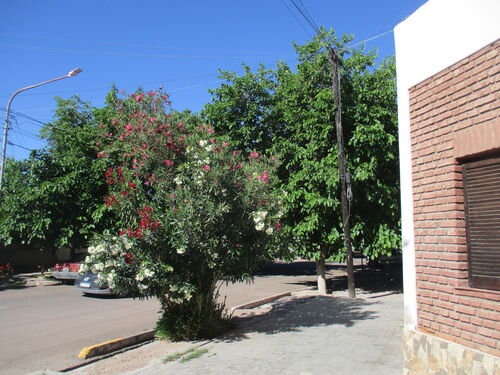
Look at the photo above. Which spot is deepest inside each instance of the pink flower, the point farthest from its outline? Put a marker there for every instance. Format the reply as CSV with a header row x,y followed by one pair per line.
x,y
139,97
210,130
169,163
254,154
129,258
225,144
180,125
172,196
128,127
206,167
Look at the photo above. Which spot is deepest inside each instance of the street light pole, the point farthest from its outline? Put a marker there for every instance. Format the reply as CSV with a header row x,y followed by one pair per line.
x,y
72,73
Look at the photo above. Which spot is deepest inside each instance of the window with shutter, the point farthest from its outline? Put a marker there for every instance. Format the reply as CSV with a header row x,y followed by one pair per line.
x,y
482,207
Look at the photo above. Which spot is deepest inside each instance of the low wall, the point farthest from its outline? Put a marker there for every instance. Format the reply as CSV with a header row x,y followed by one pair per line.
x,y
428,354
28,259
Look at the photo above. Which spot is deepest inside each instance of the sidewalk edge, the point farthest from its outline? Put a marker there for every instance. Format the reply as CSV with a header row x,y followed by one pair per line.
x,y
262,301
116,344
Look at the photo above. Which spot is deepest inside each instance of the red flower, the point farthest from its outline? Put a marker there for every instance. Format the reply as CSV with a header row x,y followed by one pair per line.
x,y
129,258
131,185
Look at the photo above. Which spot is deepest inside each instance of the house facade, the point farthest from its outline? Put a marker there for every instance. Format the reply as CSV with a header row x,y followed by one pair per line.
x,y
448,71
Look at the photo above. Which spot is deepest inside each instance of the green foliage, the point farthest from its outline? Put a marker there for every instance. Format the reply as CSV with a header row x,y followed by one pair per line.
x,y
290,114
185,356
193,212
193,355
54,198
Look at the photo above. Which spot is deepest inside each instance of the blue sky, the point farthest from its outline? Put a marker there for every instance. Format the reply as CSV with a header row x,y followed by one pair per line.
x,y
179,45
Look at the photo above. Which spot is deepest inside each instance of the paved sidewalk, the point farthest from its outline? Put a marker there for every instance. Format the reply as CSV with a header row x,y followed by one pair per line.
x,y
304,334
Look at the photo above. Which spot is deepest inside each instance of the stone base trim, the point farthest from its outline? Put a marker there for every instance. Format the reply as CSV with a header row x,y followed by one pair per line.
x,y
428,354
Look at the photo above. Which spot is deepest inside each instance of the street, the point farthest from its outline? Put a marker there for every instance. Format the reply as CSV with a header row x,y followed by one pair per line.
x,y
47,326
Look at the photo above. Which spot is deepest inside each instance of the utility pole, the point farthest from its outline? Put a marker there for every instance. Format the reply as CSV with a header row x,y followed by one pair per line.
x,y
72,73
344,179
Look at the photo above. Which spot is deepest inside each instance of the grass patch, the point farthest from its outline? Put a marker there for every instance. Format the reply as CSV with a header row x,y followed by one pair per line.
x,y
185,356
173,357
194,354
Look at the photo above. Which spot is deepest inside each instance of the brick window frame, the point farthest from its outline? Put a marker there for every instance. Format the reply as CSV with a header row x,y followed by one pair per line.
x,y
481,180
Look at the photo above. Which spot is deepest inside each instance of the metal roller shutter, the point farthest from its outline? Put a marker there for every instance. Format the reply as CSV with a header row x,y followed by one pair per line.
x,y
482,206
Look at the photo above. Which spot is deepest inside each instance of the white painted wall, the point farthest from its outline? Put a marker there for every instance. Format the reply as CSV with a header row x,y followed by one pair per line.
x,y
439,34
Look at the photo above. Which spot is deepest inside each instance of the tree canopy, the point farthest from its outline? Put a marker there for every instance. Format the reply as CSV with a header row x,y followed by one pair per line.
x,y
289,113
54,198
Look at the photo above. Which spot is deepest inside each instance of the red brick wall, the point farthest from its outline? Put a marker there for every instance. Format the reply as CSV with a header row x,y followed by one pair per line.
x,y
452,115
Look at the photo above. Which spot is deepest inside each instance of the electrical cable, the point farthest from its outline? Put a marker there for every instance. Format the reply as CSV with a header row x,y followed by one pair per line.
x,y
16,145
296,18
16,113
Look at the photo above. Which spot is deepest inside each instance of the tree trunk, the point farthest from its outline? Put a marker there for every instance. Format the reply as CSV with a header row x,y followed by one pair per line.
x,y
343,171
320,270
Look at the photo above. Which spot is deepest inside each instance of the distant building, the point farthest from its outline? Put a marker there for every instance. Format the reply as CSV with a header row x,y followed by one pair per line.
x,y
448,72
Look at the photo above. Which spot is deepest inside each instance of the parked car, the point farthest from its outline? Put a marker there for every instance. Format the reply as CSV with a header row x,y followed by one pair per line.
x,y
66,272
88,283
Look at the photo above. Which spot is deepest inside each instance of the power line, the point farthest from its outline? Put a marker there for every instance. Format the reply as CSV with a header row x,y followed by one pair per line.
x,y
23,115
127,54
305,13
296,18
16,145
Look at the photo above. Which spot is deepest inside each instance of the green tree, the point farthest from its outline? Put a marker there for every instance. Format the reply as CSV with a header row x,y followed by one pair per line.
x,y
194,213
293,111
55,197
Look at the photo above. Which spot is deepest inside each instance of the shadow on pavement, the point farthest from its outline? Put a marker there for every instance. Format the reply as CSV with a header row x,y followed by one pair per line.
x,y
301,268
387,278
303,312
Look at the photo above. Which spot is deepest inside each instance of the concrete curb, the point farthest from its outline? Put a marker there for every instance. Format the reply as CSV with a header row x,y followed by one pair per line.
x,y
262,301
120,343
114,345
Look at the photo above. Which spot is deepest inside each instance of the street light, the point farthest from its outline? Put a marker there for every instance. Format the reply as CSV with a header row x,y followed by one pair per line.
x,y
72,73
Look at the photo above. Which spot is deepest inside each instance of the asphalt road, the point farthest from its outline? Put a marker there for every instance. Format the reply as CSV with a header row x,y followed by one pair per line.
x,y
45,327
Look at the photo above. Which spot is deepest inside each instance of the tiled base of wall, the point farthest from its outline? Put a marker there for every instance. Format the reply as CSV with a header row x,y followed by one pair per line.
x,y
426,354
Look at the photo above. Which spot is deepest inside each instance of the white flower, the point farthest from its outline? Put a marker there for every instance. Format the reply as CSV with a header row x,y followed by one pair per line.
x,y
209,148
269,230
181,250
203,143
178,180
259,226
259,216
148,272
139,277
